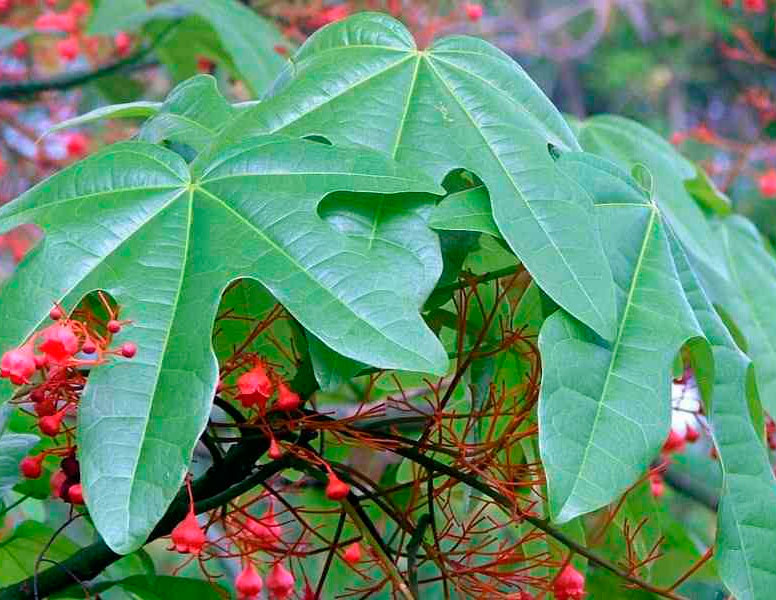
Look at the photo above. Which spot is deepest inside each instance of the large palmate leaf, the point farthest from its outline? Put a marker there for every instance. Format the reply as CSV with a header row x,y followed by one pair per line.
x,y
628,143
746,531
604,409
459,104
133,221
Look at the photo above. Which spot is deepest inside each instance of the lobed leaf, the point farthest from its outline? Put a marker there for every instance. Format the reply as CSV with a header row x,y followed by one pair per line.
x,y
132,221
604,409
463,104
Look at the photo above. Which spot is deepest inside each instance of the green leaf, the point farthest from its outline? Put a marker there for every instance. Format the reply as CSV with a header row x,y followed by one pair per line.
x,y
467,210
627,143
331,368
248,39
746,530
20,551
706,193
129,110
132,221
192,114
462,103
604,409
164,587
747,297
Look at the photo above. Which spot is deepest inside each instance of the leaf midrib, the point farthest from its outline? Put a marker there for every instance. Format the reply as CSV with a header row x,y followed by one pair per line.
x,y
615,349
163,353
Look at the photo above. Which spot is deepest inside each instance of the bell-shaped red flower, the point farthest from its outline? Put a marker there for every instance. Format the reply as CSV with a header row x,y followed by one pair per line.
x,y
288,399
188,537
248,583
569,585
255,387
336,488
280,582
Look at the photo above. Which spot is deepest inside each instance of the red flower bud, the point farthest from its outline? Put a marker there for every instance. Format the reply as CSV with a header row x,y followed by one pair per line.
x,y
31,467
76,494
674,442
336,488
128,350
691,434
474,12
352,554
767,183
51,425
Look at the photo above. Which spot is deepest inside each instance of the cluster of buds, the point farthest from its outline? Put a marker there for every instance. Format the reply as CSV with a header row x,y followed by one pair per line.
x,y
51,370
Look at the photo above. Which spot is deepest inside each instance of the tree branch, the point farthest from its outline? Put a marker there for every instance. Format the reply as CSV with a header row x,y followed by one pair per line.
x,y
14,91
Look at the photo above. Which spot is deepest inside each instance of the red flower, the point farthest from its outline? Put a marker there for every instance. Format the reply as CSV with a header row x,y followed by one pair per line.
x,y
474,12
288,399
77,145
336,488
767,183
280,582
18,365
59,342
123,43
188,537
674,442
352,553
755,6
69,48
329,15
255,387
248,583
569,585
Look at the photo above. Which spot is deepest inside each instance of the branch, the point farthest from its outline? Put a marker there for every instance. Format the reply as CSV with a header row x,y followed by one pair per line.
x,y
14,91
